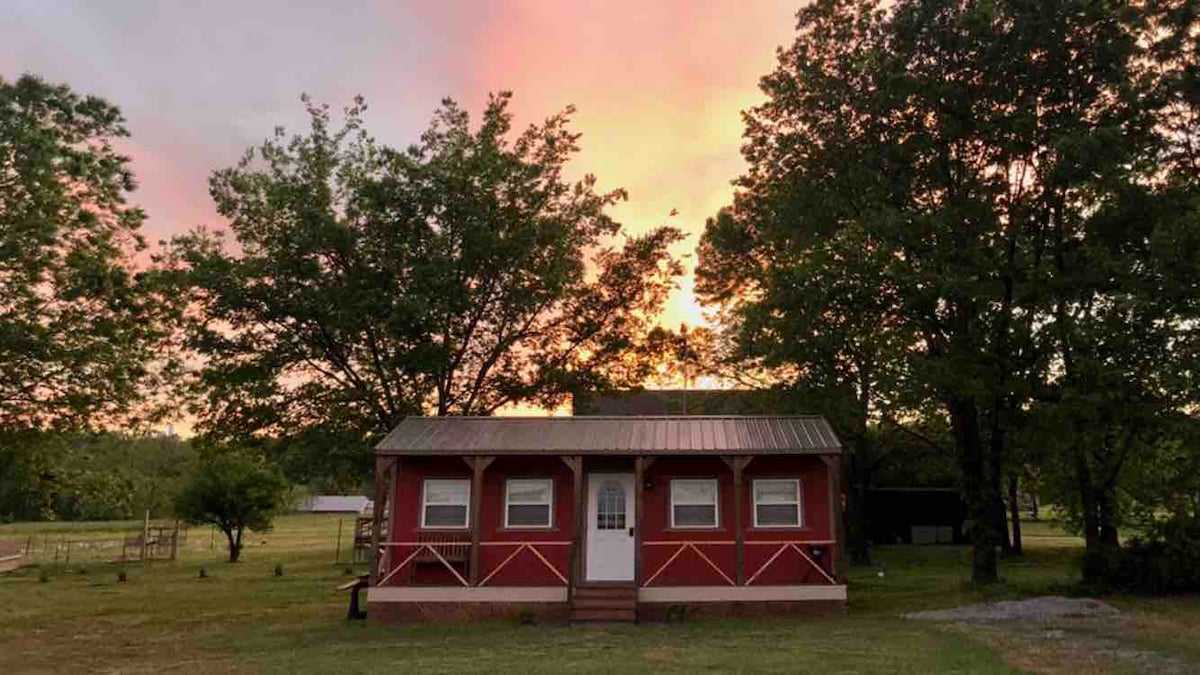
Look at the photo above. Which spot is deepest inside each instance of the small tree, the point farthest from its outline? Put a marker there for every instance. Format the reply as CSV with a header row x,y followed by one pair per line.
x,y
233,493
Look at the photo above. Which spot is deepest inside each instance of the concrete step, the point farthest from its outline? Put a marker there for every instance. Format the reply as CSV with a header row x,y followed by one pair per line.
x,y
603,615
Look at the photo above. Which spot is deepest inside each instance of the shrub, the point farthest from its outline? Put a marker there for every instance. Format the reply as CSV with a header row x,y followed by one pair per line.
x,y
526,617
1166,559
677,613
278,569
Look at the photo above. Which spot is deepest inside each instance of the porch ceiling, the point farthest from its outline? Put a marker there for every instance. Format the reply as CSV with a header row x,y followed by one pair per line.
x,y
677,435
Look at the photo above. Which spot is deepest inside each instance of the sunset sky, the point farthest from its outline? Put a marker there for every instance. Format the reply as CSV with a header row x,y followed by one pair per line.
x,y
659,84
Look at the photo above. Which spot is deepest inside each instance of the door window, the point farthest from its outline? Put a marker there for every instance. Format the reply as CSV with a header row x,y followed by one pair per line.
x,y
610,506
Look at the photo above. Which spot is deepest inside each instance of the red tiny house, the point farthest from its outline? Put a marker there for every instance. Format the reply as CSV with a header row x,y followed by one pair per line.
x,y
575,516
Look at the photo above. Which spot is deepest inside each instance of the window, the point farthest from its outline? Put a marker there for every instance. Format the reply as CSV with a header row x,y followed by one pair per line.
x,y
528,502
444,502
610,506
777,503
694,502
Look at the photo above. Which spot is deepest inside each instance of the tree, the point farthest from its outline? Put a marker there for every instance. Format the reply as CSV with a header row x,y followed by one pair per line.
x,y
233,493
79,326
457,276
823,320
935,161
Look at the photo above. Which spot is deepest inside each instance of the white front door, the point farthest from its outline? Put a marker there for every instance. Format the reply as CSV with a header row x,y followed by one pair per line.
x,y
610,543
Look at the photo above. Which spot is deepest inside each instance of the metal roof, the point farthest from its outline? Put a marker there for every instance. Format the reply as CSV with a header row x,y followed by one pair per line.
x,y
682,435
335,504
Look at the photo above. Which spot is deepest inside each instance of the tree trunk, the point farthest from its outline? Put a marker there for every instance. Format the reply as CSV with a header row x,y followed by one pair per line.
x,y
1000,520
235,546
997,447
1094,565
1107,519
860,483
1014,508
964,418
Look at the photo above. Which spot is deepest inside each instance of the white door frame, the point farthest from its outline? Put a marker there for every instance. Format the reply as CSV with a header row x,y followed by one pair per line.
x,y
610,553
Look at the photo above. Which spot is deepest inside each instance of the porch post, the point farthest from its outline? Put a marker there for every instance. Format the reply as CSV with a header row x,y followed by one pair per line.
x,y
478,464
383,467
738,465
833,467
640,464
576,576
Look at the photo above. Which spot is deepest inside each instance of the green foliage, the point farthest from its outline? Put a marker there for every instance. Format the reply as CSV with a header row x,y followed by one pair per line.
x,y
1164,559
456,276
233,492
79,327
76,476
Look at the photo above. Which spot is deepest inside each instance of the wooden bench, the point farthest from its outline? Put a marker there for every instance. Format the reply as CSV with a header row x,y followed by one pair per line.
x,y
454,547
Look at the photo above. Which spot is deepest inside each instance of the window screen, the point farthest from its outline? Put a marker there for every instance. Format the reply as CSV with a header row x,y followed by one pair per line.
x,y
444,502
528,502
694,502
777,503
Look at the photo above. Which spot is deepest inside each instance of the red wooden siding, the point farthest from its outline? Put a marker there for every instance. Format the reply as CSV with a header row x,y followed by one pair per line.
x,y
523,570
690,568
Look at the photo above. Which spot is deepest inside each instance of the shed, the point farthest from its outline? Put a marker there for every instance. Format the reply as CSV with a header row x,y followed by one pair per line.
x,y
608,518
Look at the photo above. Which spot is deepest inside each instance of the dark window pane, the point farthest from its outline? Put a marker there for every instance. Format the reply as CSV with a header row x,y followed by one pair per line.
x,y
778,514
695,516
527,515
445,516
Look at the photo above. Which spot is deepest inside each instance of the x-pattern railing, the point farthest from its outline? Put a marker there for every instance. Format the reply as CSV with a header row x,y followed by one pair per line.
x,y
784,546
432,547
530,546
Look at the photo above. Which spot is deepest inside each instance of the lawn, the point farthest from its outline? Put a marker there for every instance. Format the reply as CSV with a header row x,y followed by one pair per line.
x,y
243,618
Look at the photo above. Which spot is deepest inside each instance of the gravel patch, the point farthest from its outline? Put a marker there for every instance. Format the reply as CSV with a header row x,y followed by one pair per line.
x,y
1037,609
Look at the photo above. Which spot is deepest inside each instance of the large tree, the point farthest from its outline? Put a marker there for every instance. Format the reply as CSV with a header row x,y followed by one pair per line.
x,y
456,276
936,161
79,327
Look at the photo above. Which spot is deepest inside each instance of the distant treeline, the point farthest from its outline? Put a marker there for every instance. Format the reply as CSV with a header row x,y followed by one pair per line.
x,y
85,476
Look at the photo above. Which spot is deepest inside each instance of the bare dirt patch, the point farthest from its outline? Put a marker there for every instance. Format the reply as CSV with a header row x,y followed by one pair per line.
x,y
1036,609
1056,635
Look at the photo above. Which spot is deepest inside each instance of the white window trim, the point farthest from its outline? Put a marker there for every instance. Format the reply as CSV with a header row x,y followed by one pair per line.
x,y
799,504
549,511
424,492
716,504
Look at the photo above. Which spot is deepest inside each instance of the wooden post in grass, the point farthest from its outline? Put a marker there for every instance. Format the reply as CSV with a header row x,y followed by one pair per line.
x,y
337,549
145,534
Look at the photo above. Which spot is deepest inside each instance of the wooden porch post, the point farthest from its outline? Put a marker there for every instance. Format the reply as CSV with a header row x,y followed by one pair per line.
x,y
833,467
640,464
478,463
383,467
738,465
573,576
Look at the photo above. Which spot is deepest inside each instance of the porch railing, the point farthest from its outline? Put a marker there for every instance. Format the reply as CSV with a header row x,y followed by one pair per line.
x,y
431,547
797,545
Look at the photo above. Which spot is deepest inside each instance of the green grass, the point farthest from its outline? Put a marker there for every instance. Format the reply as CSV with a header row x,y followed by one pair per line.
x,y
244,619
